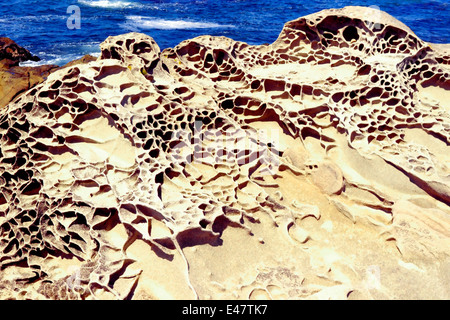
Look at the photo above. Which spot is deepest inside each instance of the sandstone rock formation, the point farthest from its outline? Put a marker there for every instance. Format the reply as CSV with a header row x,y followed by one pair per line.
x,y
315,167
15,79
13,52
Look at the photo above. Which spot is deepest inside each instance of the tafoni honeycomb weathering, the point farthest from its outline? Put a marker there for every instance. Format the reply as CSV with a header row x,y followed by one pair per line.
x,y
314,167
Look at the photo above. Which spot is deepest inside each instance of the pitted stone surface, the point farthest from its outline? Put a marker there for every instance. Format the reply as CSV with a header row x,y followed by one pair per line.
x,y
342,120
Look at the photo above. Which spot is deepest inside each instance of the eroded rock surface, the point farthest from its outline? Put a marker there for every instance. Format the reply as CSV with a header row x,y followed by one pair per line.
x,y
13,52
315,167
15,79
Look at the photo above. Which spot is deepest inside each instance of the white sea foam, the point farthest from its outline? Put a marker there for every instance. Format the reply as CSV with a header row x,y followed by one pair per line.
x,y
141,22
39,18
110,4
54,59
32,63
61,59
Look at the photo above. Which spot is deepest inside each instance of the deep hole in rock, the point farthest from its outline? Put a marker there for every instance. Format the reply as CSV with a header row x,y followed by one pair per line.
x,y
33,188
350,33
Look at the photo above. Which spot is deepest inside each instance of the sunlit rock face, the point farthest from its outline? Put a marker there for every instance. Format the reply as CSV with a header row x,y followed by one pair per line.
x,y
15,79
314,167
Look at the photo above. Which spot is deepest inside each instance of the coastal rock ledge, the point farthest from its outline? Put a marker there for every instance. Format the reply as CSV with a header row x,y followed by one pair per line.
x,y
315,167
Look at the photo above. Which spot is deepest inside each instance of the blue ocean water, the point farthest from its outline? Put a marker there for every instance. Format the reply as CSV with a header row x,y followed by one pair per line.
x,y
42,26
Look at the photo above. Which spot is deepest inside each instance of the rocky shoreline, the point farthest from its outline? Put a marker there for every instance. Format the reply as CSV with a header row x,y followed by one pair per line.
x,y
16,79
13,78
315,167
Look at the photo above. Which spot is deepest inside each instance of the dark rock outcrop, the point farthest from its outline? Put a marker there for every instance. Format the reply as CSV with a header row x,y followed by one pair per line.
x,y
15,79
10,50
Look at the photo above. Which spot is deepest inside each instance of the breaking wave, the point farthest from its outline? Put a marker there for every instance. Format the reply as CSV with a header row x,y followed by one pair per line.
x,y
141,22
110,4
